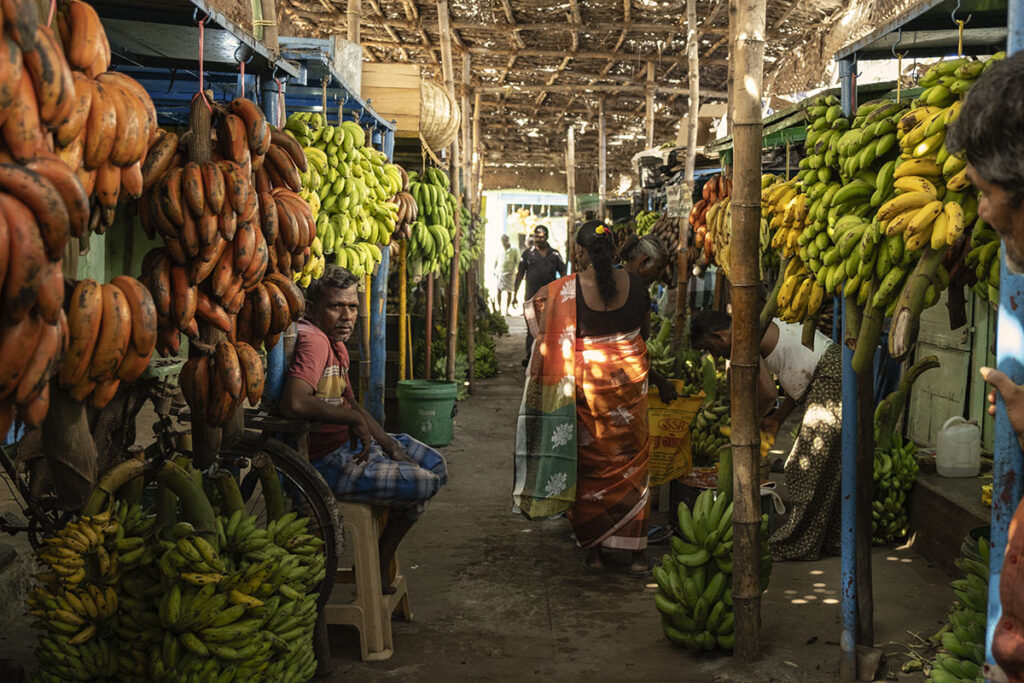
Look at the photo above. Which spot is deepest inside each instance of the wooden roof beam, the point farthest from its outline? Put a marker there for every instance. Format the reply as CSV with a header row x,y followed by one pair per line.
x,y
375,6
516,38
574,15
596,87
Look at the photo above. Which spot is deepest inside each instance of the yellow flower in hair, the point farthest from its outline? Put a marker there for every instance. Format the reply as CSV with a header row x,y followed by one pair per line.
x,y
600,230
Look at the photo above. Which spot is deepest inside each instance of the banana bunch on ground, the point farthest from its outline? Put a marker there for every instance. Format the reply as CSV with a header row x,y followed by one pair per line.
x,y
102,122
75,597
112,332
269,307
895,470
963,637
645,221
350,185
983,259
709,433
214,386
694,594
433,231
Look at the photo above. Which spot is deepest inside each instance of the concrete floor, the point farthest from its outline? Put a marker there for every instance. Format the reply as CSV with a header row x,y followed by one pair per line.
x,y
497,597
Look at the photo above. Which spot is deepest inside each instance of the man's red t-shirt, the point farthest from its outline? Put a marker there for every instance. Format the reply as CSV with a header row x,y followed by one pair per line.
x,y
323,365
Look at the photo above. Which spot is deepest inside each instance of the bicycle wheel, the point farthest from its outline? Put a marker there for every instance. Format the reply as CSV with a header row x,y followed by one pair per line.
x,y
305,492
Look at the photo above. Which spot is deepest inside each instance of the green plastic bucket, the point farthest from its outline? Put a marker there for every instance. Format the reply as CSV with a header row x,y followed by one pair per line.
x,y
426,410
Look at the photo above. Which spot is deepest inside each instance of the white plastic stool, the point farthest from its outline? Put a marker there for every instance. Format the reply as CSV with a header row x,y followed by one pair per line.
x,y
371,611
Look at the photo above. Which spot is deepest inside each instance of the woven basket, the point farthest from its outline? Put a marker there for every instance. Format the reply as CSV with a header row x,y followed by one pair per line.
x,y
439,115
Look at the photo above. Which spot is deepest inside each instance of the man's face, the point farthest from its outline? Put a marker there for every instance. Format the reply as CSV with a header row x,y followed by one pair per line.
x,y
997,209
540,239
336,313
504,241
721,343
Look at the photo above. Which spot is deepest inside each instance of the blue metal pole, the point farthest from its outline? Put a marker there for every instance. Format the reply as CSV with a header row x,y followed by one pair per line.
x,y
378,344
270,95
848,640
389,144
1008,462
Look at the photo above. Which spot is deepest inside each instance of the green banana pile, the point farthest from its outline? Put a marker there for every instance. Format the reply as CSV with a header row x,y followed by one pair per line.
x,y
349,186
216,598
472,244
694,594
963,637
983,259
645,221
895,471
433,231
709,433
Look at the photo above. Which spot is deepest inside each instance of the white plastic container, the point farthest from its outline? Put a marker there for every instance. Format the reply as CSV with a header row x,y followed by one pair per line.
x,y
958,448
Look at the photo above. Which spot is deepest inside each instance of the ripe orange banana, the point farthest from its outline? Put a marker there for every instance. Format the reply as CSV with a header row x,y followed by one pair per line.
x,y
200,268
27,259
73,123
17,344
41,366
104,392
231,136
84,318
84,34
189,234
262,312
183,299
223,273
72,155
82,390
291,146
213,186
168,341
148,128
175,251
10,74
282,162
5,248
22,128
280,315
134,363
21,19
128,128
35,412
171,197
256,131
159,283
192,186
115,334
252,372
268,216
67,185
233,304
46,203
291,291
108,185
261,181
51,76
100,127
211,312
131,180
143,312
227,223
50,295
244,246
236,185
209,228
287,224
158,159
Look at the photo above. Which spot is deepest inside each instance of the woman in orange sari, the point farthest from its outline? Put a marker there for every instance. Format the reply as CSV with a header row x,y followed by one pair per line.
x,y
582,440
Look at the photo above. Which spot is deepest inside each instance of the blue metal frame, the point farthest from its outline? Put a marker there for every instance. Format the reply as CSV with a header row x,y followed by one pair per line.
x,y
848,496
378,342
1008,461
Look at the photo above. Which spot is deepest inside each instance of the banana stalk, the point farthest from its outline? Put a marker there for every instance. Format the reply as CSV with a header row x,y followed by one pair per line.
x,y
867,338
906,321
115,478
853,317
890,409
195,506
771,305
272,494
230,495
809,328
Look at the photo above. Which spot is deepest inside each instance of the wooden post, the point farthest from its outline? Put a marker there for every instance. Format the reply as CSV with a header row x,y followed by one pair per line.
x,y
477,157
444,26
680,333
602,161
429,337
748,50
353,14
469,192
650,104
269,23
570,191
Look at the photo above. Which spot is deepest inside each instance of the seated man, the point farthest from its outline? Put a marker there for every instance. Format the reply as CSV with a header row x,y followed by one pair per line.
x,y
358,459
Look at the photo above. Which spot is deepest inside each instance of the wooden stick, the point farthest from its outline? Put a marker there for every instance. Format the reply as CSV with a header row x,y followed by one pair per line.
x,y
680,333
602,161
570,191
650,103
353,14
429,337
468,193
748,48
637,89
444,27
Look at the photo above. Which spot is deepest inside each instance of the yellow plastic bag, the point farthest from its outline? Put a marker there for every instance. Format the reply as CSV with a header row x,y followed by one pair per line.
x,y
670,434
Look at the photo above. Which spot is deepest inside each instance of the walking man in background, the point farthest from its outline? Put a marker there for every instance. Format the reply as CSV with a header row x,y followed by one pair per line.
x,y
540,265
505,270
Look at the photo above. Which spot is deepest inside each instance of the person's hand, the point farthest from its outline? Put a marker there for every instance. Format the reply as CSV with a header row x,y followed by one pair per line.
x,y
515,301
360,431
1013,396
667,391
394,450
770,426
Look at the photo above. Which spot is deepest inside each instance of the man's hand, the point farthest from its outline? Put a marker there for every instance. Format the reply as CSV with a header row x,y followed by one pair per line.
x,y
360,431
1013,396
667,391
770,425
394,450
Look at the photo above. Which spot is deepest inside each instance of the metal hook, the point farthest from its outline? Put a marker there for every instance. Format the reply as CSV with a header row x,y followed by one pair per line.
x,y
195,16
899,41
246,50
952,15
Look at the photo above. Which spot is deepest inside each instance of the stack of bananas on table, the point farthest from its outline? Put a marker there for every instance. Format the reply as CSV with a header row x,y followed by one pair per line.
x,y
694,594
963,637
351,186
433,231
112,332
895,470
135,595
645,221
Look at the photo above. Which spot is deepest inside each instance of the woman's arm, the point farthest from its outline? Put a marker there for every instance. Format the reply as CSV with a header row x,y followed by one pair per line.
x,y
767,391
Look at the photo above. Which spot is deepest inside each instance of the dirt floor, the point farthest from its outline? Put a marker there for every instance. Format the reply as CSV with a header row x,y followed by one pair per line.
x,y
496,597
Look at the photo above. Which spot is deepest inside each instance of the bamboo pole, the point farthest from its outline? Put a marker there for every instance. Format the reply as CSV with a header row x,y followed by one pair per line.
x,y
477,158
469,192
570,190
429,337
403,305
353,15
364,345
650,104
602,161
679,333
444,26
748,50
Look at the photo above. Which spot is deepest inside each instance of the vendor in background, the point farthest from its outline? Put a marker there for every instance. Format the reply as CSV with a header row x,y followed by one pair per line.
x,y
990,132
505,271
812,378
540,265
647,257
